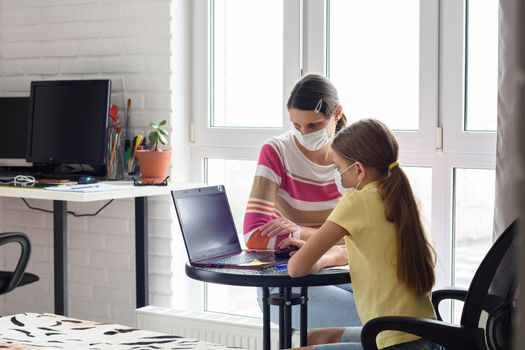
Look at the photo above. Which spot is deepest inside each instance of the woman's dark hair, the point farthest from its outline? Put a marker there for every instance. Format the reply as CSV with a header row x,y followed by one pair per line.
x,y
370,142
311,89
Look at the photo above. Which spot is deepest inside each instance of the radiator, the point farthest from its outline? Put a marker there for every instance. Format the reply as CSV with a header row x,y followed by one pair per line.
x,y
227,330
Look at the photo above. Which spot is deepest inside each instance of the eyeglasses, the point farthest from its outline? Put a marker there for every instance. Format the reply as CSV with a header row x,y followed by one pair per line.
x,y
140,182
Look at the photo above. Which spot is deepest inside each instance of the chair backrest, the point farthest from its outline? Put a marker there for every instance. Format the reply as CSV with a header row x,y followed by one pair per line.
x,y
492,291
12,280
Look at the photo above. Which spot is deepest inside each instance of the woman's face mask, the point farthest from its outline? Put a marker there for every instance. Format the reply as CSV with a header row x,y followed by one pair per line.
x,y
313,141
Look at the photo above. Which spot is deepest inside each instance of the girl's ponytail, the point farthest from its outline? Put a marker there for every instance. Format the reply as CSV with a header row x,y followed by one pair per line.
x,y
415,255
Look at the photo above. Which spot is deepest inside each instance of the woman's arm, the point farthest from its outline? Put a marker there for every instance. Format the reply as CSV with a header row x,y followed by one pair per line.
x,y
283,226
307,232
261,204
310,257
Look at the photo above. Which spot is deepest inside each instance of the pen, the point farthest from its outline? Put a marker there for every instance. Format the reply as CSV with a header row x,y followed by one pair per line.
x,y
133,155
115,147
127,152
128,109
281,267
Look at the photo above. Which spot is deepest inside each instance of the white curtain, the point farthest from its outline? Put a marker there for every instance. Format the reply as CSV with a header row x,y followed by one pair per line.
x,y
510,79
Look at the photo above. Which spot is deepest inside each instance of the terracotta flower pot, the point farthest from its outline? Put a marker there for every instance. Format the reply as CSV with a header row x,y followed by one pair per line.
x,y
154,165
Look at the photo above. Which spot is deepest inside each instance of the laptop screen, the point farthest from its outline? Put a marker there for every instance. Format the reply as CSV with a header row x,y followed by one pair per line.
x,y
206,222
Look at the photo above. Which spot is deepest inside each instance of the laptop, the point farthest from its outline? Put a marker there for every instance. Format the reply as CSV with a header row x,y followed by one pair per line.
x,y
209,232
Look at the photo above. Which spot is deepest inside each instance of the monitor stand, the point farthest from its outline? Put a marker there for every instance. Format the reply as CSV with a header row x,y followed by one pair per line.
x,y
11,171
71,171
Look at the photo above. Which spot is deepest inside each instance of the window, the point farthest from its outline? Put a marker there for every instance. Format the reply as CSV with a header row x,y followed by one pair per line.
x,y
428,69
481,65
377,74
242,39
236,176
421,182
474,213
469,123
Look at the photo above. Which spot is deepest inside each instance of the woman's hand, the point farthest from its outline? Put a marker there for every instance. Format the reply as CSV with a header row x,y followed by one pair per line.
x,y
279,227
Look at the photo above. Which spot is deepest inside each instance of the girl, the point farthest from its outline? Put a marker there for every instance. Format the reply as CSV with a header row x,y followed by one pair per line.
x,y
293,192
390,258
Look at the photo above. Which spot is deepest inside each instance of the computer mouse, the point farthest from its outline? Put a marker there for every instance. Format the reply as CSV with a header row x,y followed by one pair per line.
x,y
285,253
86,180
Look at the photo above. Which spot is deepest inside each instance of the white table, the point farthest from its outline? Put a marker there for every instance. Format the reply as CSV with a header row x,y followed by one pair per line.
x,y
60,199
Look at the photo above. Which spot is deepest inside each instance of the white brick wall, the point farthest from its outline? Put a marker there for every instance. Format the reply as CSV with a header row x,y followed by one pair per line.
x,y
127,41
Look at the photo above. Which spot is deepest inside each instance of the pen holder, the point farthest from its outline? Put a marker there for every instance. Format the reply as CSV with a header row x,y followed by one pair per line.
x,y
115,154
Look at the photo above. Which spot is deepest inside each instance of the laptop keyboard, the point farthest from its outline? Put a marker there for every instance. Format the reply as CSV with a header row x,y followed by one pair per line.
x,y
243,258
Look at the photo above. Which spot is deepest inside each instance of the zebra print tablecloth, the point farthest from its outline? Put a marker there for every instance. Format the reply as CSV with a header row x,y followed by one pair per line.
x,y
48,331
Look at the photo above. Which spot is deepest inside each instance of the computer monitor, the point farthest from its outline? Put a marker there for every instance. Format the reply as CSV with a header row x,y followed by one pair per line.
x,y
68,122
14,112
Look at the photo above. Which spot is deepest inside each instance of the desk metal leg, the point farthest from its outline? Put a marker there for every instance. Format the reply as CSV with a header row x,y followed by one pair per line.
x,y
281,320
304,315
266,319
287,318
141,250
60,256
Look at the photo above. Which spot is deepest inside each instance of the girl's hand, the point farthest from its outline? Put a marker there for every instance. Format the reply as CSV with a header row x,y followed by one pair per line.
x,y
291,241
335,256
311,256
279,227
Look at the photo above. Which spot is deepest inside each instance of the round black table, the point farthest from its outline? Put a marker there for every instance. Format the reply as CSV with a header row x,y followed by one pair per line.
x,y
273,277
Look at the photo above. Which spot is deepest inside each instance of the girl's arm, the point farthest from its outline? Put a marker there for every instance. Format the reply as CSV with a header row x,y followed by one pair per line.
x,y
335,256
309,258
307,232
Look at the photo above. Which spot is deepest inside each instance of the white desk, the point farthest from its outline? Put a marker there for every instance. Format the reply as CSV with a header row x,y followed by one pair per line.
x,y
60,199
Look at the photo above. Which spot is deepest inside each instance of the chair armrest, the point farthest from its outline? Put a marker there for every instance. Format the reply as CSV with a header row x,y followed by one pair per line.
x,y
20,238
449,293
450,336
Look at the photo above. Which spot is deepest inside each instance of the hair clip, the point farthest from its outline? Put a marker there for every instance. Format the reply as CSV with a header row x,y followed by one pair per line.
x,y
319,105
393,165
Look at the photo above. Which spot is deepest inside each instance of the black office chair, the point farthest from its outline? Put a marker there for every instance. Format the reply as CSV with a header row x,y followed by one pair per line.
x,y
491,292
9,280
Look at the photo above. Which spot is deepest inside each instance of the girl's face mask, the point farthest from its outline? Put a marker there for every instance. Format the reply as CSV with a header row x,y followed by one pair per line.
x,y
339,181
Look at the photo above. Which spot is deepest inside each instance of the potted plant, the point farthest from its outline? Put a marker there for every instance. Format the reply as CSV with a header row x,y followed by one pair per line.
x,y
154,162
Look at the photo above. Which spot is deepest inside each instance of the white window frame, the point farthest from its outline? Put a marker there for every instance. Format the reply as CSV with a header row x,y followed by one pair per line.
x,y
452,87
203,134
423,139
441,104
461,149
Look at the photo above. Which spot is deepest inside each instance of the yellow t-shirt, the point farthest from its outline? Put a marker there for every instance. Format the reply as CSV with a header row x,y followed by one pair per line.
x,y
371,247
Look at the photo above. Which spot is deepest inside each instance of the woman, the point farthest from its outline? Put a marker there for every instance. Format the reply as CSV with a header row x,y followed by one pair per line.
x,y
293,193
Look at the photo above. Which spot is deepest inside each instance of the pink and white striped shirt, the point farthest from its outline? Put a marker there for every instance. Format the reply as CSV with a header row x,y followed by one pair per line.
x,y
287,184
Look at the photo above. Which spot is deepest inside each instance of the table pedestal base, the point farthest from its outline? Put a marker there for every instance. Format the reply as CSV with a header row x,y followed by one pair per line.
x,y
285,299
